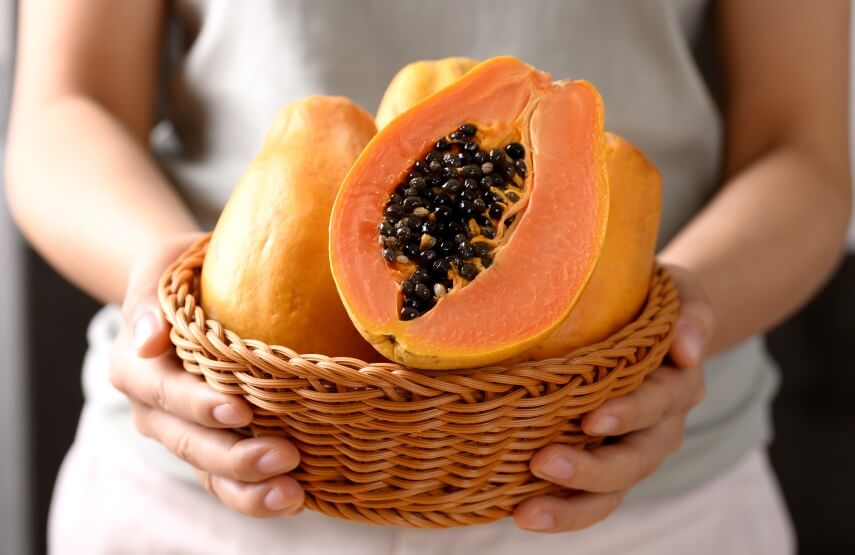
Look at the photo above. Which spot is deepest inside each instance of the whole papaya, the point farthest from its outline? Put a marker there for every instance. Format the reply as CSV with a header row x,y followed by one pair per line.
x,y
418,80
266,274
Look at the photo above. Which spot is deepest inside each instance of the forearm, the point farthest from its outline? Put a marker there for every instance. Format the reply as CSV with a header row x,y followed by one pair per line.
x,y
767,241
86,193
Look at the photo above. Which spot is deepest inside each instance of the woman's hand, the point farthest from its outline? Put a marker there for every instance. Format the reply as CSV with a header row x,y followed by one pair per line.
x,y
180,411
651,419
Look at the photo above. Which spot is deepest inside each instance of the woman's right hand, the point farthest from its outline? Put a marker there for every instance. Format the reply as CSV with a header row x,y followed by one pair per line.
x,y
180,411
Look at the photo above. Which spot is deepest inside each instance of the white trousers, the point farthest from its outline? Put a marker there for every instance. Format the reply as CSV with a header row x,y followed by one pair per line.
x,y
107,500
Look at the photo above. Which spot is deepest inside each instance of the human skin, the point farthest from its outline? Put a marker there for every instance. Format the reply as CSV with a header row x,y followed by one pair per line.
x,y
87,194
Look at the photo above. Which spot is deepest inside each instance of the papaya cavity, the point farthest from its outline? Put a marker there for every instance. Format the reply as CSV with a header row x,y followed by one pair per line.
x,y
549,215
452,213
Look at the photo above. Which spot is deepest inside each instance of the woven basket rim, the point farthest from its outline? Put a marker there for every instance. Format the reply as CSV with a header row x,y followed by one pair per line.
x,y
391,367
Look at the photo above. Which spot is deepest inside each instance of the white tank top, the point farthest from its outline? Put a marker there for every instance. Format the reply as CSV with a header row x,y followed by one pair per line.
x,y
238,63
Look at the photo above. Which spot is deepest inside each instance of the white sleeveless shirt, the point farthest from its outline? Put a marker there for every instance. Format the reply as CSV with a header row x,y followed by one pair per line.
x,y
243,61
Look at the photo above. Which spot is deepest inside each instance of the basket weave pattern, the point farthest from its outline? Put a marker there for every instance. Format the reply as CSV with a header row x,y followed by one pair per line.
x,y
385,444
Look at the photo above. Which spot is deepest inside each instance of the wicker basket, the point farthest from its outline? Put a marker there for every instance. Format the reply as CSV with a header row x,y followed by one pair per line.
x,y
385,444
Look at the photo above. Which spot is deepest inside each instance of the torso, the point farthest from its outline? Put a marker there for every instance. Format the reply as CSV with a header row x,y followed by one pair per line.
x,y
250,59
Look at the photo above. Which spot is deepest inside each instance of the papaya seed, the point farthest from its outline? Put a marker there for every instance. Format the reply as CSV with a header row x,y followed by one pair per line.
x,y
442,217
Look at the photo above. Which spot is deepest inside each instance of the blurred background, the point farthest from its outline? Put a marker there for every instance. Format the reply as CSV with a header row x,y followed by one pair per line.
x,y
42,340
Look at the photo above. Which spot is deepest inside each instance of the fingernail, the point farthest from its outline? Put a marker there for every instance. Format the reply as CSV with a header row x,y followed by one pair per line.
x,y
274,501
558,468
605,425
541,521
271,462
693,341
144,329
226,414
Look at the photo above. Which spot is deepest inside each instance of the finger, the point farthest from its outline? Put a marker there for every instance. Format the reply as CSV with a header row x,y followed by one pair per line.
x,y
555,514
141,307
664,392
160,383
612,467
277,496
218,452
696,322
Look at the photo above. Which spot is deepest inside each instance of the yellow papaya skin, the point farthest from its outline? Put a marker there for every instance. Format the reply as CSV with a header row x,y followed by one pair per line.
x,y
266,273
418,80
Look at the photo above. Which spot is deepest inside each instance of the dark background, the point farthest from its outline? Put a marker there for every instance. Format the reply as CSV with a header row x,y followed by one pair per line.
x,y
813,451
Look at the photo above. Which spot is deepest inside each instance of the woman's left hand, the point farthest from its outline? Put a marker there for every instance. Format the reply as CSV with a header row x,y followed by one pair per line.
x,y
651,421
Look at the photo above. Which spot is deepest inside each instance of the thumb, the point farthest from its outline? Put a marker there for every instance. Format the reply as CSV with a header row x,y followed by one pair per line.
x,y
696,323
141,311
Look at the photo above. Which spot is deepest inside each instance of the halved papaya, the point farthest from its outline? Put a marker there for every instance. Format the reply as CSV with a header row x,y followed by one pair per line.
x,y
619,286
266,273
489,201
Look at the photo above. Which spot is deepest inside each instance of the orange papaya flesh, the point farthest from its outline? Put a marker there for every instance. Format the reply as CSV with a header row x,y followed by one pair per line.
x,y
266,272
617,290
538,268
